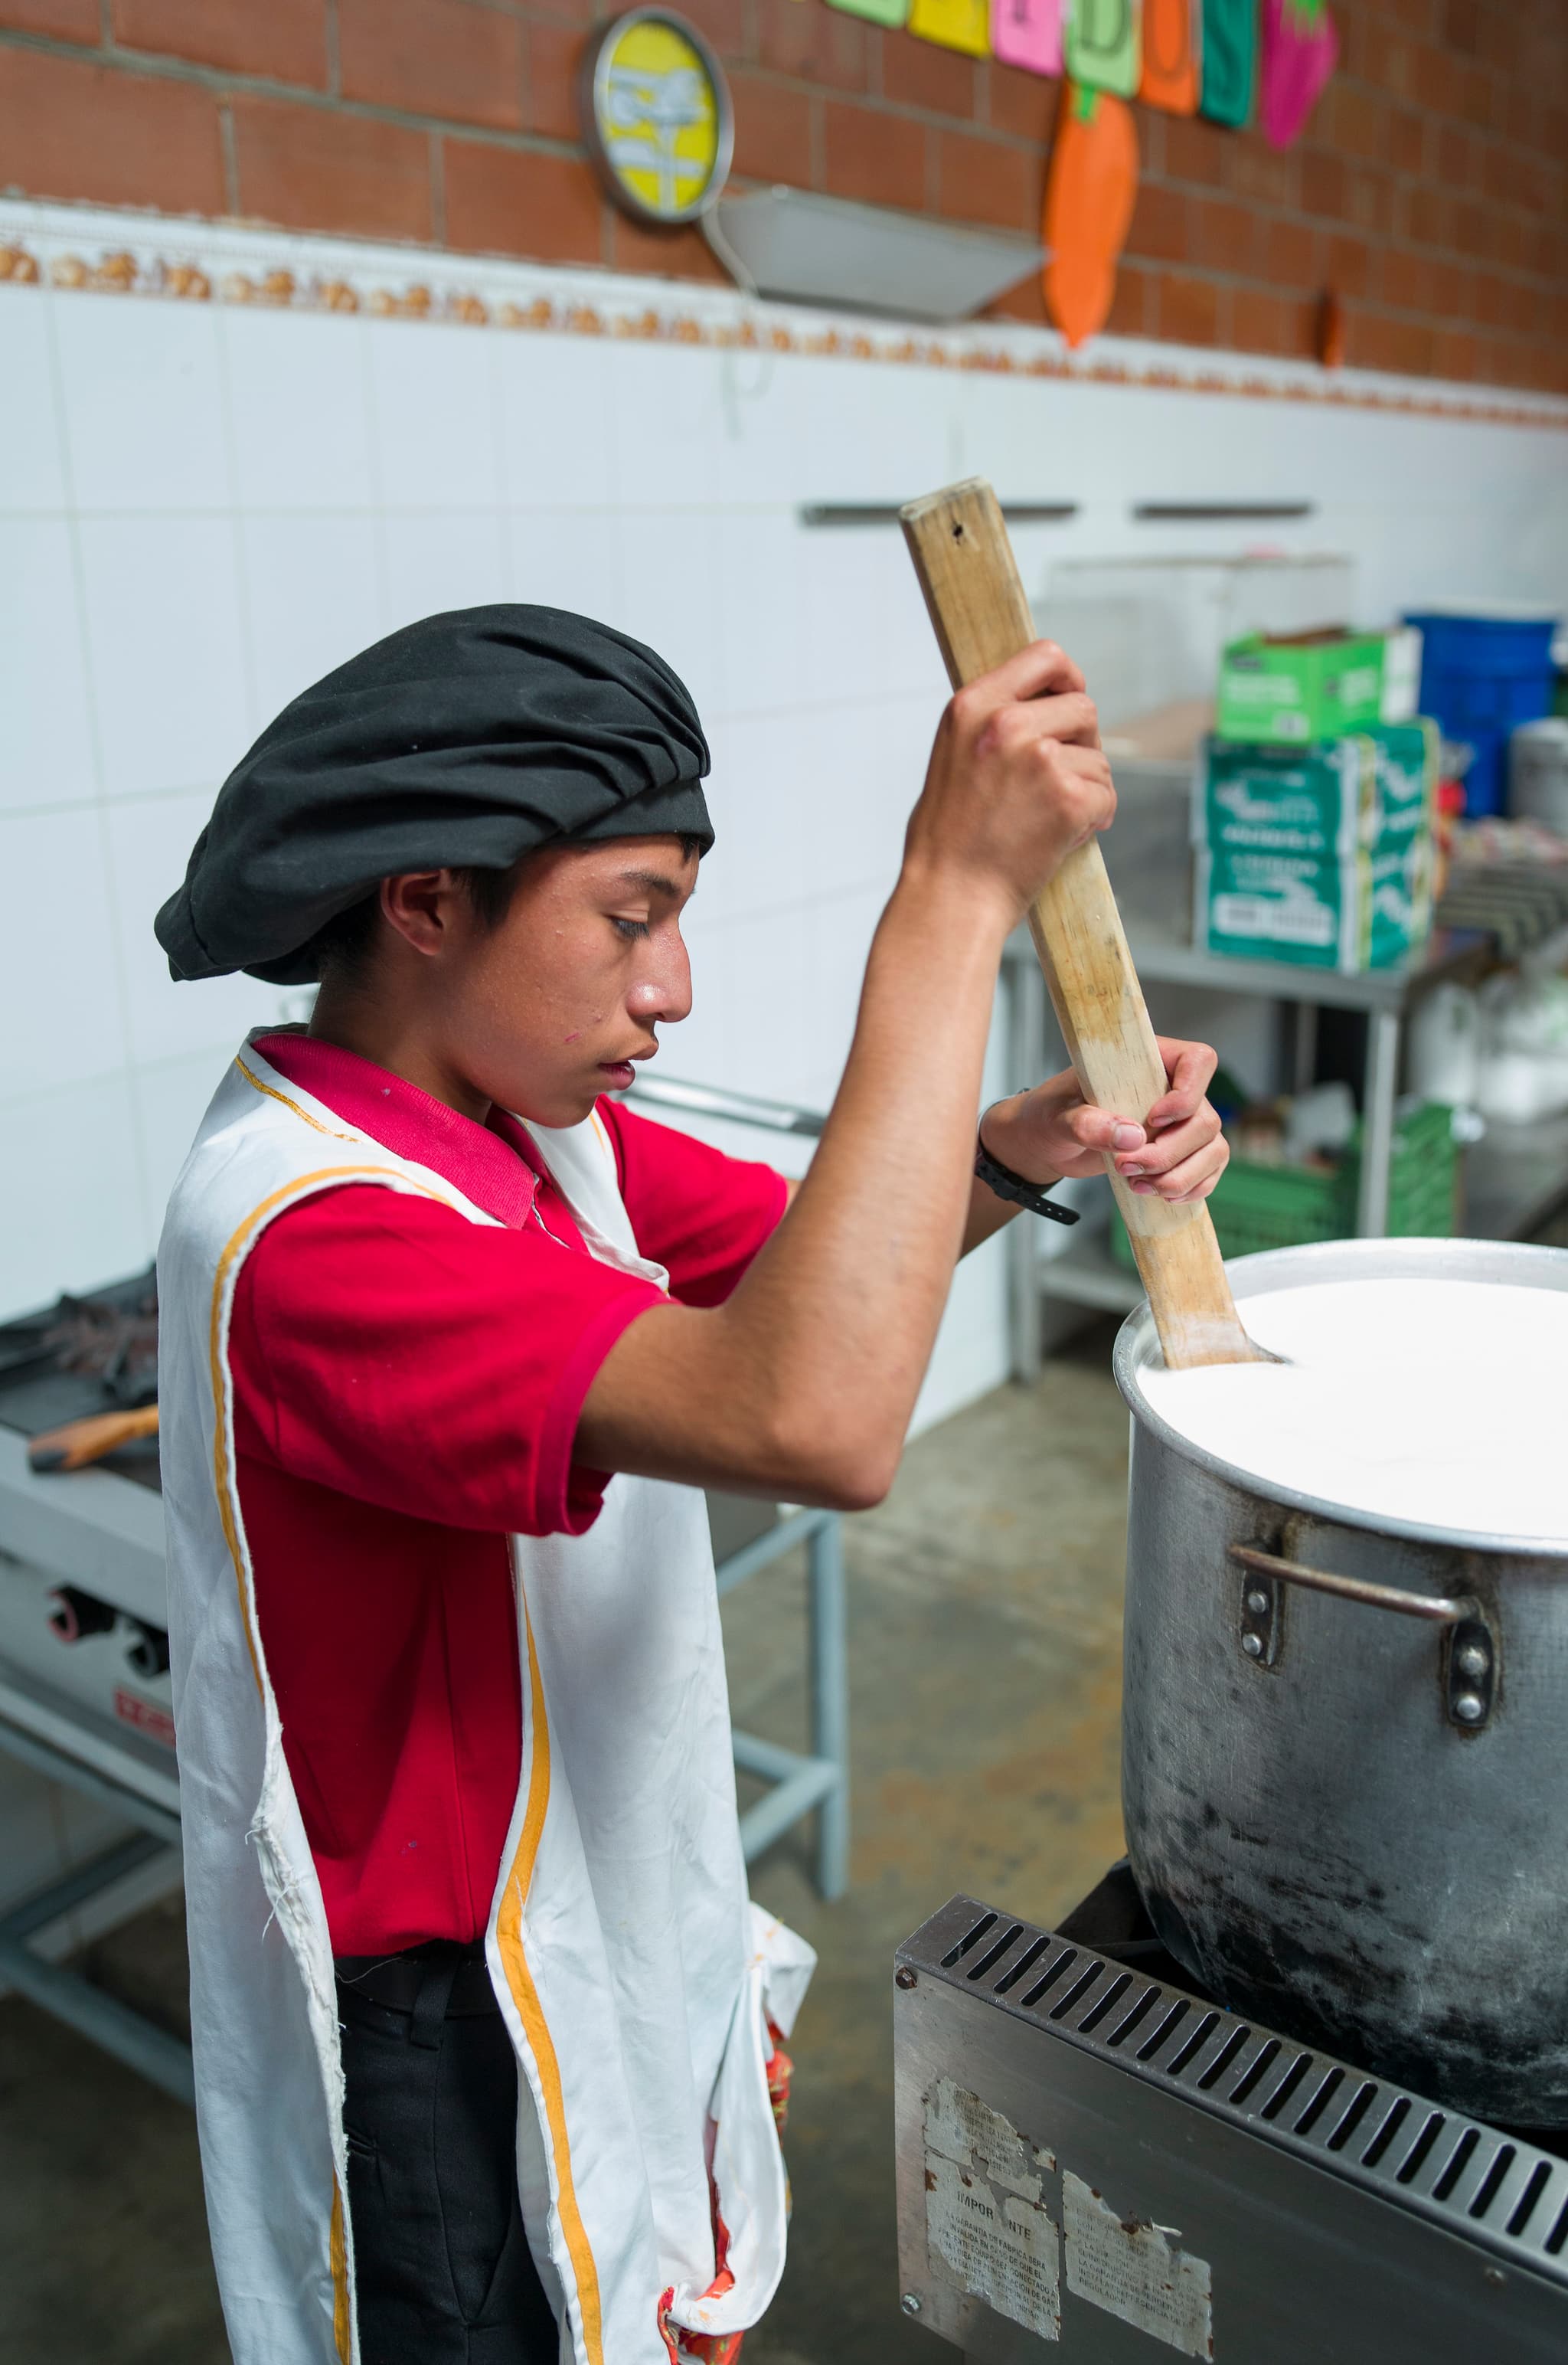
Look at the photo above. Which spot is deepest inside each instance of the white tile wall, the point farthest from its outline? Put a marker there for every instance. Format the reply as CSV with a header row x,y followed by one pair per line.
x,y
297,384
555,410
149,841
565,558
433,416
673,596
312,592
142,407
202,508
46,744
75,1213
59,928
32,455
440,558
167,648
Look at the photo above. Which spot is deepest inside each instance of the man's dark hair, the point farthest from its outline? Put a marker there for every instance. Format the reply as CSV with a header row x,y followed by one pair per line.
x,y
342,947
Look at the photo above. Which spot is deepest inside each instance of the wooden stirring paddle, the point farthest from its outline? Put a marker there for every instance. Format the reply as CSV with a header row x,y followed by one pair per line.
x,y
962,555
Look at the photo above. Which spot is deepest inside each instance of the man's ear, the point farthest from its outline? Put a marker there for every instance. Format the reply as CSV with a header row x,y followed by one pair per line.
x,y
420,905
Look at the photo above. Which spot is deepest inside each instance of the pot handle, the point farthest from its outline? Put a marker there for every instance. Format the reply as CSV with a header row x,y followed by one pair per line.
x,y
1441,1609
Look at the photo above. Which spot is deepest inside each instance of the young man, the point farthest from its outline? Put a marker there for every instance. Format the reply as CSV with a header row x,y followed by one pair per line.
x,y
485,2026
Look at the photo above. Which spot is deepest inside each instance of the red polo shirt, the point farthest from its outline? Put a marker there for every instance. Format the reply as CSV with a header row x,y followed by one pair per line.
x,y
406,1391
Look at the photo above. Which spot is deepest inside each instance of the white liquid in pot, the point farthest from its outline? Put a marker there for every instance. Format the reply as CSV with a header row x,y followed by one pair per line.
x,y
1439,1401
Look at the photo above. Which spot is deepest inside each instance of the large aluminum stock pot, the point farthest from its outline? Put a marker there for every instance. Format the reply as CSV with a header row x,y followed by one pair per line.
x,y
1345,1742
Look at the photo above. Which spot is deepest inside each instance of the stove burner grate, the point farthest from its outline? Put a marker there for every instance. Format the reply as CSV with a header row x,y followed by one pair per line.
x,y
89,1352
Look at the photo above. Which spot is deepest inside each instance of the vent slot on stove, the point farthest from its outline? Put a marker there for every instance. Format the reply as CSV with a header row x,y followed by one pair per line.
x,y
1287,2086
1131,2020
1077,1991
1048,1979
1193,2046
1387,2133
1414,2160
993,1953
1459,2161
1026,1961
1167,2027
1540,2177
955,1954
1320,2101
1492,2182
1209,2079
1105,2003
1267,2053
1558,2233
1350,2119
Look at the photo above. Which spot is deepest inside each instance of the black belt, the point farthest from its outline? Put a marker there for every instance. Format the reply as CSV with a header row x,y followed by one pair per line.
x,y
433,1982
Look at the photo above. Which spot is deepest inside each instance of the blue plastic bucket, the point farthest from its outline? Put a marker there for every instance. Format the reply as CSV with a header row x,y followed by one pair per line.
x,y
1480,677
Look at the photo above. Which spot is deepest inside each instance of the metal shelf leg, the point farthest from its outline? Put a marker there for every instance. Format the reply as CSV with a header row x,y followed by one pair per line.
x,y
102,2019
830,1701
1377,1122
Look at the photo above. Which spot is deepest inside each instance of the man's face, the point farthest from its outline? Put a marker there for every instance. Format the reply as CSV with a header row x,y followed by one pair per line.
x,y
549,1009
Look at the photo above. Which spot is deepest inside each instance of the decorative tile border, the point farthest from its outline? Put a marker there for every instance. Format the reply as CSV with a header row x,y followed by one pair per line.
x,y
180,260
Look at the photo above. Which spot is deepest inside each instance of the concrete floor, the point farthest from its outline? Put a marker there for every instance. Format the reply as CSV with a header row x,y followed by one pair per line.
x,y
985,1607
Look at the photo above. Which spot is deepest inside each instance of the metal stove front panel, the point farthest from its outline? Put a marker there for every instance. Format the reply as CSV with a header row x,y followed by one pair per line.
x,y
104,1698
1095,2166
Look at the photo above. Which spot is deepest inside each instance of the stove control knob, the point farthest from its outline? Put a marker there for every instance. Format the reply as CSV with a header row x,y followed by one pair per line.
x,y
73,1614
149,1651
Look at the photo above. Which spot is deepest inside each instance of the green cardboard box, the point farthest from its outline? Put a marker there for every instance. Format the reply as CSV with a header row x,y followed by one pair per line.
x,y
1268,905
1289,692
1397,898
1365,789
1316,801
1347,913
1404,776
1320,856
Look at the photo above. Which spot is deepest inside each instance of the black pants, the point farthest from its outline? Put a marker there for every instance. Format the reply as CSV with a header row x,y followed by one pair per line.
x,y
443,2270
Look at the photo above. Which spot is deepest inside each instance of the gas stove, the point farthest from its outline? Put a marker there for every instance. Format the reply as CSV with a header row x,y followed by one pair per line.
x,y
84,1646
1097,2162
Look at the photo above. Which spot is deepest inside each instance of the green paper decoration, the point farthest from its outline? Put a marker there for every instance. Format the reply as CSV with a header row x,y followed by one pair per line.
x,y
880,12
1103,46
1229,61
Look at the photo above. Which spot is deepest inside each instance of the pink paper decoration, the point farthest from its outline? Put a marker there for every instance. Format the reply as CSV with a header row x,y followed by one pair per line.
x,y
1027,33
1299,53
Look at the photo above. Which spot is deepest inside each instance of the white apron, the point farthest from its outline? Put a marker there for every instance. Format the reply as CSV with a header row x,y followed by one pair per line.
x,y
634,1978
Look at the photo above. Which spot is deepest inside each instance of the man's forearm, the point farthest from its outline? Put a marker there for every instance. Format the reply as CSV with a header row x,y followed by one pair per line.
x,y
805,1381
987,1213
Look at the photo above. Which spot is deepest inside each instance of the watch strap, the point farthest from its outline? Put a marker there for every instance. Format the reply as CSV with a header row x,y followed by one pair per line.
x,y
1002,1181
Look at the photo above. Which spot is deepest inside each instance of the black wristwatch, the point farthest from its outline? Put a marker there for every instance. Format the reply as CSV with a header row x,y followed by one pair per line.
x,y
1002,1181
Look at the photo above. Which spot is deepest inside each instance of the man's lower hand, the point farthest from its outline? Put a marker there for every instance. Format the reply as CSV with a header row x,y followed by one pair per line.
x,y
1178,1155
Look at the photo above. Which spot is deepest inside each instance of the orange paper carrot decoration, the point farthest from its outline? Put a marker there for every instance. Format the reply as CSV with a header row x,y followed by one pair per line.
x,y
1090,192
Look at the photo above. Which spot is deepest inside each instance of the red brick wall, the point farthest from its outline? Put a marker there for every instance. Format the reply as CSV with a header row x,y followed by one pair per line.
x,y
1430,191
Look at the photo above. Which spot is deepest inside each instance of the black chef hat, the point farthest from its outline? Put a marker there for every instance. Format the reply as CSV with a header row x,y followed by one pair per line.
x,y
463,740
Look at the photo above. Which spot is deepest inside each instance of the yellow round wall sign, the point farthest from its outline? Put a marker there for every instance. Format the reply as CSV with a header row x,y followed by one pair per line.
x,y
656,116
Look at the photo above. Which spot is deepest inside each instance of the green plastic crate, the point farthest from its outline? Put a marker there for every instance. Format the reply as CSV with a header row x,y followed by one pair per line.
x,y
1257,1206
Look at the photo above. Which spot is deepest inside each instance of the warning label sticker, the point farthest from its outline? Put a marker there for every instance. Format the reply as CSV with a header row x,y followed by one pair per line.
x,y
1136,2270
986,2223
